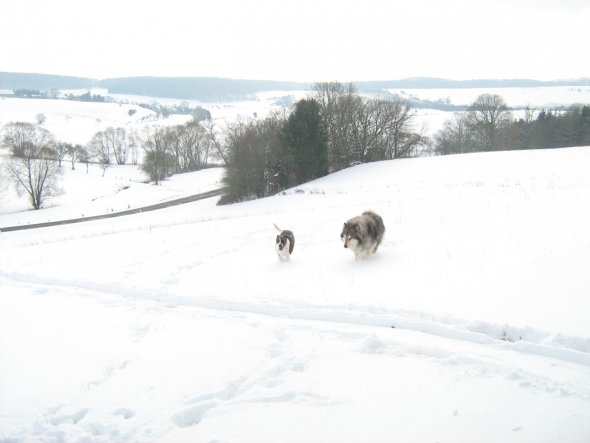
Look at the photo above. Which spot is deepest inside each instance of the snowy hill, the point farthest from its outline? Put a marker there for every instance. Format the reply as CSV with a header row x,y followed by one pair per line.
x,y
77,122
88,193
181,325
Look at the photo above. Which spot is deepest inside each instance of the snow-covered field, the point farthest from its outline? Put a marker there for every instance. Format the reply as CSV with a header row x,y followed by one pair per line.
x,y
257,106
181,325
77,122
540,97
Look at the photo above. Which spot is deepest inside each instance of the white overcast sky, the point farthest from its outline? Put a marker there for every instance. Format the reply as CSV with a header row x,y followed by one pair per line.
x,y
301,40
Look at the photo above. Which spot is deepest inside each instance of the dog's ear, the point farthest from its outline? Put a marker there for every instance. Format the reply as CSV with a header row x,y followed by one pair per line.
x,y
278,239
356,228
344,229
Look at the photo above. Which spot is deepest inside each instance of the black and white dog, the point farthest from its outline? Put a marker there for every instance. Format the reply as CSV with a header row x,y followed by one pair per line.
x,y
284,244
363,234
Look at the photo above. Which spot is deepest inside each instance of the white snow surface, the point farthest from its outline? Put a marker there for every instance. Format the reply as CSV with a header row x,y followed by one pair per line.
x,y
77,122
517,97
181,325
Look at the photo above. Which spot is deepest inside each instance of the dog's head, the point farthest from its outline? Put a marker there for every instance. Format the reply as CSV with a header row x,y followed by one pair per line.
x,y
281,242
351,234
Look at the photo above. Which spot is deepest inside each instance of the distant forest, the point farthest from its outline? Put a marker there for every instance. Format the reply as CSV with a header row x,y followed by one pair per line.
x,y
224,89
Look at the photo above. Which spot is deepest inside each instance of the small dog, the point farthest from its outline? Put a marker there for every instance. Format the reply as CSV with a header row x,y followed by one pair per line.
x,y
363,234
284,244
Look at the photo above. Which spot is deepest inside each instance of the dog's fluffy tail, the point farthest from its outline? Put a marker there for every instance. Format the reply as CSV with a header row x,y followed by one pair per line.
x,y
277,228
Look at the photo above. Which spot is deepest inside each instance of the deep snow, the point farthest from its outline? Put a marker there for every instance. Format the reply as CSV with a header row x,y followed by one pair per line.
x,y
181,325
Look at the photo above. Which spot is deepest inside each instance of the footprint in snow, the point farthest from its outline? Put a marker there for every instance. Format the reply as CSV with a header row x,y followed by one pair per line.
x,y
373,345
126,413
193,415
74,418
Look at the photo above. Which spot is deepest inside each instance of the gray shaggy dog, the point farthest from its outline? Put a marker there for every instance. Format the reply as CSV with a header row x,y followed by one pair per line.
x,y
363,234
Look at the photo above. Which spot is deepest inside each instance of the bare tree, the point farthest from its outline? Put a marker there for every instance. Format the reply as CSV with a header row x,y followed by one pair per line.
x,y
247,149
158,161
40,119
214,140
488,116
366,130
84,157
120,144
36,176
61,149
133,144
100,148
112,143
19,136
363,129
31,166
455,137
172,135
75,153
402,138
337,105
193,147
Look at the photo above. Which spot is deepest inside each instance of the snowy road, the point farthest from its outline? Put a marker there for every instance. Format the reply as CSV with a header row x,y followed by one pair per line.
x,y
154,207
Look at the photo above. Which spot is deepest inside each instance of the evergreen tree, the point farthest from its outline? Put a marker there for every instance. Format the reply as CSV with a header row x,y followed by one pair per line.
x,y
305,136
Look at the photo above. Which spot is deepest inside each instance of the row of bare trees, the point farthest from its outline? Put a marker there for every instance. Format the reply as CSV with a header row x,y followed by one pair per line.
x,y
166,149
114,144
489,125
35,157
181,148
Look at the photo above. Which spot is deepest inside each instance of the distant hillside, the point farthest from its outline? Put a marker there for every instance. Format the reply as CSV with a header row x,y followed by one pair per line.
x,y
198,88
224,89
15,80
441,83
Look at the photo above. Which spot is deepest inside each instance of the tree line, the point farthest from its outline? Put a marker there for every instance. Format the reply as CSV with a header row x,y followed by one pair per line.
x,y
332,129
489,125
35,157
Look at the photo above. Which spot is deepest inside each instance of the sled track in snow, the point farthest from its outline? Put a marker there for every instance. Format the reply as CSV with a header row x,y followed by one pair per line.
x,y
154,207
362,316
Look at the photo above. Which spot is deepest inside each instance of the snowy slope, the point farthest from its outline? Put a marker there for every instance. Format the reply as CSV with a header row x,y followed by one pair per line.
x,y
77,122
181,325
88,193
